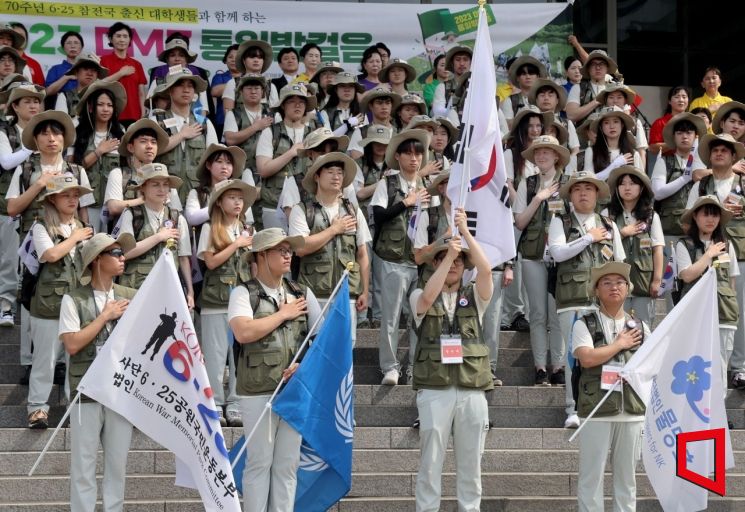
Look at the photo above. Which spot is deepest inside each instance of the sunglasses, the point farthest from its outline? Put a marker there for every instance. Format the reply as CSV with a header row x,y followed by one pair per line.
x,y
116,253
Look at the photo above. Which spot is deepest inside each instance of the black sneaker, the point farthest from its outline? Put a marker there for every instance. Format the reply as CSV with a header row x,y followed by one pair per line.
x,y
520,324
557,378
738,380
416,423
23,381
541,378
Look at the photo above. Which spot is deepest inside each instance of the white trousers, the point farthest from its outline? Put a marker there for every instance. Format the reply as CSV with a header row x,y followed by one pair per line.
x,y
726,342
8,260
47,349
216,349
89,423
624,441
493,318
25,336
463,412
395,282
566,321
270,477
738,347
545,331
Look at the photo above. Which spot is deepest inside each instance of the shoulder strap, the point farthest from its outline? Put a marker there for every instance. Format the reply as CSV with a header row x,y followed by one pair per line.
x,y
592,322
531,184
310,212
138,219
434,220
254,293
294,287
703,184
392,182
277,133
28,169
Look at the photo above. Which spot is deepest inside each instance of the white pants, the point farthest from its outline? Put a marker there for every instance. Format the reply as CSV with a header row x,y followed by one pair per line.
x,y
738,348
89,423
493,318
26,356
726,342
644,308
216,349
8,261
513,302
566,320
624,441
270,477
395,282
463,412
545,331
47,349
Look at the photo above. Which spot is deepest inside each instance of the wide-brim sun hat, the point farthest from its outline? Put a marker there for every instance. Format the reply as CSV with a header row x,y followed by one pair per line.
x,y
18,40
266,49
443,244
348,165
28,139
24,90
723,112
546,117
548,142
19,61
347,78
377,133
156,170
180,73
453,131
584,177
321,135
627,91
379,92
249,193
452,52
115,88
439,178
598,54
619,172
562,134
89,60
298,90
522,61
180,44
611,268
607,112
421,121
398,63
333,66
236,154
63,183
704,146
414,99
99,242
724,214
141,124
541,83
251,78
668,132
271,237
417,134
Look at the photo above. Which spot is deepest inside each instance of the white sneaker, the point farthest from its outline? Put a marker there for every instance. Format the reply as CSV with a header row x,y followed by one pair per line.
x,y
390,378
6,318
572,421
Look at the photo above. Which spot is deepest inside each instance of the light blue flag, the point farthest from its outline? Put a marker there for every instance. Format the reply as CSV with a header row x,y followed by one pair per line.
x,y
197,111
318,402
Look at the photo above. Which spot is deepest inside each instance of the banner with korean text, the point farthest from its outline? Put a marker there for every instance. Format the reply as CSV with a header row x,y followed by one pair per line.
x,y
151,371
415,32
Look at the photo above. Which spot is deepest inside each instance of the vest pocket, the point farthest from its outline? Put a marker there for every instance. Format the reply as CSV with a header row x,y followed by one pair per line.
x,y
736,235
532,244
468,323
728,311
48,299
573,287
474,372
590,394
428,369
264,371
317,276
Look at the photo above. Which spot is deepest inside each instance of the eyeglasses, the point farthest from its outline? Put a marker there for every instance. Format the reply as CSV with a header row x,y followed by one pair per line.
x,y
613,284
282,251
116,253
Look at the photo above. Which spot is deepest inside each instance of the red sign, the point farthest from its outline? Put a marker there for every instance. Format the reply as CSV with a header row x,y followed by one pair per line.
x,y
718,436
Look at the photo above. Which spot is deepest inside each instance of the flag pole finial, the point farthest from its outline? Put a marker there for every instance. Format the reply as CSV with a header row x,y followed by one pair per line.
x,y
482,3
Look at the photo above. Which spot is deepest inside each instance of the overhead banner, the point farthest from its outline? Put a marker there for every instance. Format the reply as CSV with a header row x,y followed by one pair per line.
x,y
415,32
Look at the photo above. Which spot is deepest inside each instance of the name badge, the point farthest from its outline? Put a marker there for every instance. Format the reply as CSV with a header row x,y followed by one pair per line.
x,y
607,252
556,206
451,350
170,122
645,243
723,259
609,376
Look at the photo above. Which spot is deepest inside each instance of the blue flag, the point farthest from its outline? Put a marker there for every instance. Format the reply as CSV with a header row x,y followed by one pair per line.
x,y
318,402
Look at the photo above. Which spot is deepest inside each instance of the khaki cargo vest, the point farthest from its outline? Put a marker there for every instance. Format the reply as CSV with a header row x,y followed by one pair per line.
x,y
98,173
183,161
473,372
260,364
642,263
55,280
735,228
220,281
671,208
6,175
392,242
573,275
590,394
321,270
271,187
532,243
87,312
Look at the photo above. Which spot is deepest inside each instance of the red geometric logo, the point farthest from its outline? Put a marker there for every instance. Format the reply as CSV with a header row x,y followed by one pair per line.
x,y
717,435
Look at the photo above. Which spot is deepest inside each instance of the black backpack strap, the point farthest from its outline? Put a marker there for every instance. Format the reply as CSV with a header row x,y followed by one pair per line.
x,y
392,182
593,327
310,212
294,288
531,187
254,293
434,219
138,219
703,184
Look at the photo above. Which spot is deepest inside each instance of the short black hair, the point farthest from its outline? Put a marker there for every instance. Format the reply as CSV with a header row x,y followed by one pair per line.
x,y
569,61
18,24
410,146
71,33
52,124
382,46
116,27
684,126
308,47
437,60
230,49
143,132
717,143
285,51
740,112
702,110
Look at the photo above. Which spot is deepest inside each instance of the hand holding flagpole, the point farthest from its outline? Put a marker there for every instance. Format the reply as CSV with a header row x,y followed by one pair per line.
x,y
268,405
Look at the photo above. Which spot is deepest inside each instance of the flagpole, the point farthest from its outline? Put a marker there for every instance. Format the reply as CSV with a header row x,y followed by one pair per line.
x,y
592,413
54,434
268,405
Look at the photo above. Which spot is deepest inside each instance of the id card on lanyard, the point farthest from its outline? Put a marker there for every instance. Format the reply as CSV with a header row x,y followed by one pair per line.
x,y
451,349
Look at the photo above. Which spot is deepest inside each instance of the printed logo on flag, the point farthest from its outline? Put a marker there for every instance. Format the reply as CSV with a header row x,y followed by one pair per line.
x,y
691,379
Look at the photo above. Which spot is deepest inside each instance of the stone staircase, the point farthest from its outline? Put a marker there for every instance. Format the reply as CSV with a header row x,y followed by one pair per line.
x,y
528,464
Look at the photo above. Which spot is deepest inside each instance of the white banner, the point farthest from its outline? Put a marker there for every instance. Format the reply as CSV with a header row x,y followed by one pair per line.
x,y
151,371
413,32
478,177
677,372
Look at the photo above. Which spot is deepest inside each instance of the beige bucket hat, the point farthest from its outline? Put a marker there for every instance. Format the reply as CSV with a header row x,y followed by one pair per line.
x,y
99,242
607,112
90,60
350,170
704,146
725,214
398,63
668,132
272,237
299,90
542,83
722,112
549,142
379,92
142,124
347,78
612,267
321,135
172,45
598,54
620,172
377,133
155,170
422,136
265,47
442,244
50,115
452,52
249,193
584,177
522,61
63,183
178,73
236,154
115,88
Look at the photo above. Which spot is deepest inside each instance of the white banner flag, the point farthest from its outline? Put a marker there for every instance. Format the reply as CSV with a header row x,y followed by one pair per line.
x,y
677,372
478,180
151,371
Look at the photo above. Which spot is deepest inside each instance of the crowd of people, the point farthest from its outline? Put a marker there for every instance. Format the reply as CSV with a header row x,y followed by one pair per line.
x,y
267,188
